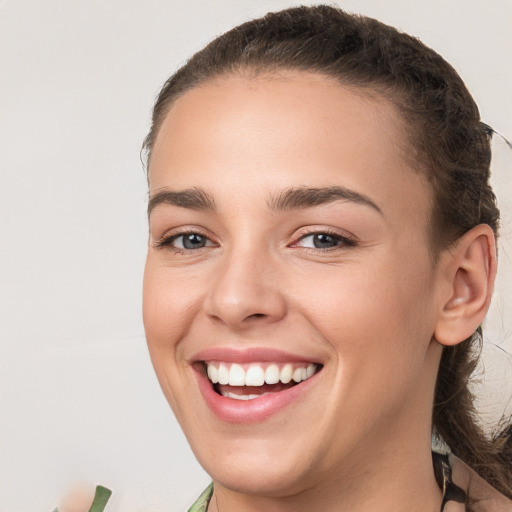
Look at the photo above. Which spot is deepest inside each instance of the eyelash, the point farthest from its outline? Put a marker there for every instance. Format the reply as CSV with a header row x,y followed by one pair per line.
x,y
343,242
166,241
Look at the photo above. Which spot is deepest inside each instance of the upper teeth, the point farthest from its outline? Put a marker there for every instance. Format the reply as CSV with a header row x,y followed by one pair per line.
x,y
258,374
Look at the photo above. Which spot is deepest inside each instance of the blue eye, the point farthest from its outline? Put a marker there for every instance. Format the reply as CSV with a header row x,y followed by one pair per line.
x,y
190,241
324,241
185,241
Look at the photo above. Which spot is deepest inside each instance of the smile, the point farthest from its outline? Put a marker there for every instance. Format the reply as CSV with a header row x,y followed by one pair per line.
x,y
252,385
254,380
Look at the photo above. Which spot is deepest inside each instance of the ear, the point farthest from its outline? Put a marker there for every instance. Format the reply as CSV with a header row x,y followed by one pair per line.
x,y
468,272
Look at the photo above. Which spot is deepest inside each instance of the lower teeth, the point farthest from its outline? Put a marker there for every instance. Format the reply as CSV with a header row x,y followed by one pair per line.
x,y
250,394
227,394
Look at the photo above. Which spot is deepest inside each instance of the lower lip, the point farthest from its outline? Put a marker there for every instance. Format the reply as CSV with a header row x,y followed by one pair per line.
x,y
251,411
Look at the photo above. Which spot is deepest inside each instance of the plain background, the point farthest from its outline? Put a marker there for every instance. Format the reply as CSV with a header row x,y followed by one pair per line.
x,y
78,399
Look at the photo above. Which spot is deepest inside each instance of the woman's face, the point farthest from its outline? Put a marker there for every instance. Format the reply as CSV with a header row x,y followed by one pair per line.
x,y
289,239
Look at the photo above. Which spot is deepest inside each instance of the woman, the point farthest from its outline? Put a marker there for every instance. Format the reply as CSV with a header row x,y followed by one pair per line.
x,y
321,256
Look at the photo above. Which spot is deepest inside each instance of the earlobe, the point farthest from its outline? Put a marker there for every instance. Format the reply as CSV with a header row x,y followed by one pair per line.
x,y
468,274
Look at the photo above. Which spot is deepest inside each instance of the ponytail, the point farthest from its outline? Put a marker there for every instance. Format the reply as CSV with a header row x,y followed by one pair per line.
x,y
455,418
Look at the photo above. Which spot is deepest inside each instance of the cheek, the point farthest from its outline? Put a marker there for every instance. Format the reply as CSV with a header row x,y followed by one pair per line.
x,y
168,304
166,313
374,316
165,307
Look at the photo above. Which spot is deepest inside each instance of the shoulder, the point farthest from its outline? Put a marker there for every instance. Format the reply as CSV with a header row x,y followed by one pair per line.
x,y
483,497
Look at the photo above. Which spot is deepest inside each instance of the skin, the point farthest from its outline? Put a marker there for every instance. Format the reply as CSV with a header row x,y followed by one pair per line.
x,y
366,311
78,499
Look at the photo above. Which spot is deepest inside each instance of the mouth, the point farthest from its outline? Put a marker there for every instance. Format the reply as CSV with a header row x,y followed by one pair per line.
x,y
251,386
251,381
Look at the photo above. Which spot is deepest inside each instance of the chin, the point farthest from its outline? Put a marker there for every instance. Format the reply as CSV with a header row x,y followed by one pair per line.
x,y
270,463
263,476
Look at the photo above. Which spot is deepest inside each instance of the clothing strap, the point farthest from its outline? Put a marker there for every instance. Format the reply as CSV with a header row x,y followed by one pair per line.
x,y
443,473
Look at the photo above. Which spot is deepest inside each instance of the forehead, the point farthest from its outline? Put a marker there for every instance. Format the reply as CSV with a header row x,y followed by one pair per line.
x,y
268,131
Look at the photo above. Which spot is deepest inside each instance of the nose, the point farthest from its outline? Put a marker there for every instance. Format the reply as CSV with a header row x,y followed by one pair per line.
x,y
245,292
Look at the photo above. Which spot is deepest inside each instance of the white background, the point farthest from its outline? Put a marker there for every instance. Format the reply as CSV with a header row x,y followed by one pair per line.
x,y
78,399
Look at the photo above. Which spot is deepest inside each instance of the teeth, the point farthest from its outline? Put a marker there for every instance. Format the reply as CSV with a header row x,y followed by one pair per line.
x,y
272,374
241,397
236,375
286,374
223,374
255,376
213,374
258,374
297,375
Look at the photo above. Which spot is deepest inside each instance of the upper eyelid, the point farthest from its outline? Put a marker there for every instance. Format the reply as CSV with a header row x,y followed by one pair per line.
x,y
310,230
184,230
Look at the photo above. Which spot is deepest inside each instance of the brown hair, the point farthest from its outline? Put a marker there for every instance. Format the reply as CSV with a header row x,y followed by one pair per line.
x,y
448,142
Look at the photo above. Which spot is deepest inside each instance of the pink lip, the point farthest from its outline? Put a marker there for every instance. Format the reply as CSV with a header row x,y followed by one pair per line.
x,y
248,355
250,411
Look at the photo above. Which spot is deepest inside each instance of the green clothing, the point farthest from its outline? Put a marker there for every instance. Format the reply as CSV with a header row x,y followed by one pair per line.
x,y
201,505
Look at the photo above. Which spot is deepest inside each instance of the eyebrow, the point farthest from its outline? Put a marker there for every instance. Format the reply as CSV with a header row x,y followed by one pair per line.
x,y
291,199
192,198
305,197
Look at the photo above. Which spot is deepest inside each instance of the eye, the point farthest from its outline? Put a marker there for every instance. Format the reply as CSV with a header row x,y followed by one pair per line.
x,y
186,241
323,241
190,241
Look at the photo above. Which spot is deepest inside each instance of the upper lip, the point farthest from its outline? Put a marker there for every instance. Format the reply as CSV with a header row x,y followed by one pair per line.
x,y
250,355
